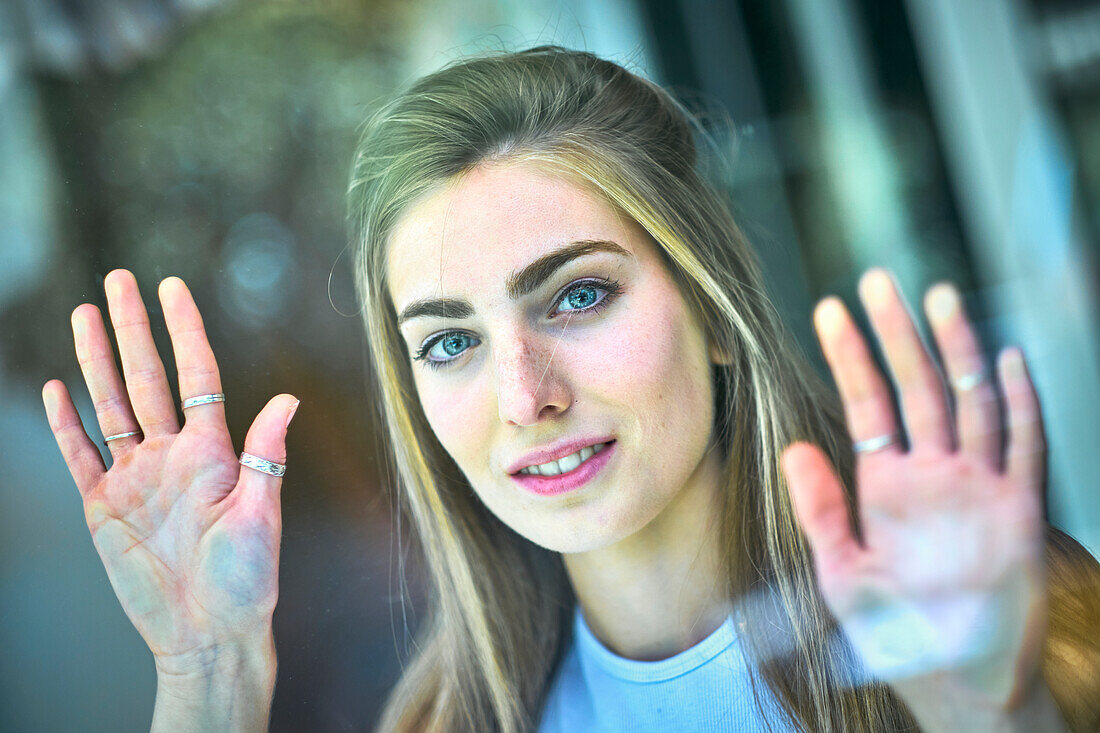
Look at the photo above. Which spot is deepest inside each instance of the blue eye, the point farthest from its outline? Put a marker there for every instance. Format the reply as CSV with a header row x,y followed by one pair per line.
x,y
584,302
454,341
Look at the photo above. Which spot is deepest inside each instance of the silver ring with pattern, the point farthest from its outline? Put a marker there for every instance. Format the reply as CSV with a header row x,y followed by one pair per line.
x,y
870,445
262,465
118,436
968,381
203,399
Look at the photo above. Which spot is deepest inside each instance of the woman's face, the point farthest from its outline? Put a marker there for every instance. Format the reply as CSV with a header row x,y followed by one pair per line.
x,y
531,359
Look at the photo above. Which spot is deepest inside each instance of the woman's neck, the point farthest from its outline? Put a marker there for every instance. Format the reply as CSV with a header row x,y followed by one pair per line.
x,y
661,590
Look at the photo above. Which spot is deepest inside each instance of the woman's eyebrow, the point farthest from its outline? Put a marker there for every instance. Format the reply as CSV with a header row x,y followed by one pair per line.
x,y
519,284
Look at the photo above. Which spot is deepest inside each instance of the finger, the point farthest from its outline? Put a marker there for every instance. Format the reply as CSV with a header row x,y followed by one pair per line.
x,y
868,407
145,378
266,439
195,362
977,407
97,363
920,387
1025,453
80,454
818,499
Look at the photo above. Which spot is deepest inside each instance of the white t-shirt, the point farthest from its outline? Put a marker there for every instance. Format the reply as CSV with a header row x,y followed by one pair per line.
x,y
704,688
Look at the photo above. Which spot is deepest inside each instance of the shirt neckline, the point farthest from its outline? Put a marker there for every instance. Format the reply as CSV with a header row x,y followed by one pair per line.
x,y
633,670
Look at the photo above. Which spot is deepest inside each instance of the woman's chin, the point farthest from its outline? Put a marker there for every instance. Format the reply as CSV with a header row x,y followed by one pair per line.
x,y
572,541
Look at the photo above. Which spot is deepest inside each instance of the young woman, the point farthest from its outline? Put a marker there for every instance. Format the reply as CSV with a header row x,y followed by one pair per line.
x,y
548,281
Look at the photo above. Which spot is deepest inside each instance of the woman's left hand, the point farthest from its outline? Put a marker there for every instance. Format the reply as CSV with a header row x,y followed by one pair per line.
x,y
946,593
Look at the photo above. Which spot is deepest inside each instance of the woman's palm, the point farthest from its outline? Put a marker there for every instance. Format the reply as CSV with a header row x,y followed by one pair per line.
x,y
947,580
189,538
950,574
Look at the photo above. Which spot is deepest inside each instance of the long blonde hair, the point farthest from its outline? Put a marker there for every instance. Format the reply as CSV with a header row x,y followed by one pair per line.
x,y
500,608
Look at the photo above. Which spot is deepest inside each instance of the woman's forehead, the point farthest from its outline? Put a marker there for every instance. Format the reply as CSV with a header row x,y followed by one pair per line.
x,y
494,217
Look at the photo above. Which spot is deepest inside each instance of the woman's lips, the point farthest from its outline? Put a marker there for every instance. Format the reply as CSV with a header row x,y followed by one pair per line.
x,y
579,476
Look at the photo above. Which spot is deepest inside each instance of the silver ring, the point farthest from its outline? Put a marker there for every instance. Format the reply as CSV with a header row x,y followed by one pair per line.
x,y
873,444
262,464
203,399
116,436
968,381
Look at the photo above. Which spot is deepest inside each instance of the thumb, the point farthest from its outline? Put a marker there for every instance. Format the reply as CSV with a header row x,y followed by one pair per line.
x,y
818,499
266,439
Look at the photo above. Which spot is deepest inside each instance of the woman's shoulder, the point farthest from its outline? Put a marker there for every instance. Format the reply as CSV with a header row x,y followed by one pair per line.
x,y
1071,654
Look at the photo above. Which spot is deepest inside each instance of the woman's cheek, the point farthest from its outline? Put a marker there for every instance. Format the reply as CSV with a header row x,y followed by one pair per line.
x,y
615,355
449,415
676,377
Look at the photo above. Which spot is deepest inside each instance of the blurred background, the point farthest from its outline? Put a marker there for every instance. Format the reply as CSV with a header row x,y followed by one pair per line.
x,y
211,140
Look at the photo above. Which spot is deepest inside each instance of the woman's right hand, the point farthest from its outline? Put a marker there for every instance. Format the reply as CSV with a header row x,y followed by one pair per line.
x,y
189,537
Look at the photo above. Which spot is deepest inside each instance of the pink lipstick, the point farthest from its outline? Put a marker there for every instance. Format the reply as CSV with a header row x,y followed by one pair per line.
x,y
570,480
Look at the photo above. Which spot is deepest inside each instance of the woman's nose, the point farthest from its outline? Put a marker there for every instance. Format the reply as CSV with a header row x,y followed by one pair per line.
x,y
529,385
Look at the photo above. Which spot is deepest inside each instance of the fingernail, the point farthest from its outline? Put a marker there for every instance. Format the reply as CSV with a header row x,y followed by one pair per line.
x,y
1014,363
830,316
875,287
290,413
111,284
943,303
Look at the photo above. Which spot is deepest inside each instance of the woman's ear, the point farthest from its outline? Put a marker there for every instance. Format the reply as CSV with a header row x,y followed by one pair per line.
x,y
719,356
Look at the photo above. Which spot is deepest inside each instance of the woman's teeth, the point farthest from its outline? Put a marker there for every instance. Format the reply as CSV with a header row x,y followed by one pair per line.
x,y
563,465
